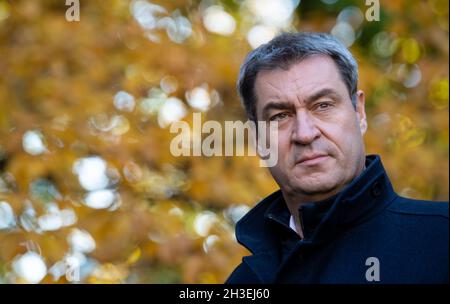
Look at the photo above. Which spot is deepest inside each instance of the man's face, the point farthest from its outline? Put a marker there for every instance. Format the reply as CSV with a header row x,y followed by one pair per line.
x,y
320,134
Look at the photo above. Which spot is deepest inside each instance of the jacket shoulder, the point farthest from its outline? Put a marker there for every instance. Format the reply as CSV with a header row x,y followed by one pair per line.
x,y
414,207
242,275
252,223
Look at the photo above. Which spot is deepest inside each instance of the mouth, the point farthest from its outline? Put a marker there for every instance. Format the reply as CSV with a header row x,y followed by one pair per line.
x,y
312,160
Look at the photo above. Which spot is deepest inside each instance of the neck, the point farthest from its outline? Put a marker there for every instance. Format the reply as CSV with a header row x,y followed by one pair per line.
x,y
294,201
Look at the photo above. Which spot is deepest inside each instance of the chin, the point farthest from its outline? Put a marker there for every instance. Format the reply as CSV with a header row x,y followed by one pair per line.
x,y
312,186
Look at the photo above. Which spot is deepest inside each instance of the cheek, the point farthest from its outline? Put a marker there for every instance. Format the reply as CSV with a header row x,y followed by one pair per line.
x,y
345,136
283,142
280,173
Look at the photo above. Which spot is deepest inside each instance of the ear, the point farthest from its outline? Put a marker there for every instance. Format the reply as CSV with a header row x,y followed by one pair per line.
x,y
361,111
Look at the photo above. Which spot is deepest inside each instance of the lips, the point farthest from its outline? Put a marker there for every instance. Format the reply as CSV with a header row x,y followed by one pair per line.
x,y
312,159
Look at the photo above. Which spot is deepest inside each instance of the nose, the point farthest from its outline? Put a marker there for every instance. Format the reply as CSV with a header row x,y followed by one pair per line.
x,y
304,130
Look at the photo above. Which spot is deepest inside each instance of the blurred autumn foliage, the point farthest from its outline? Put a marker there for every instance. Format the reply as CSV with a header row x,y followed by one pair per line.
x,y
89,190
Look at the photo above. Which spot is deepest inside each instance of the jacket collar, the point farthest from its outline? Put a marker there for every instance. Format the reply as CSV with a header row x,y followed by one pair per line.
x,y
365,196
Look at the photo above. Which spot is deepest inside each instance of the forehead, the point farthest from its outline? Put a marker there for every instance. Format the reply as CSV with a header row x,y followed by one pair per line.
x,y
302,78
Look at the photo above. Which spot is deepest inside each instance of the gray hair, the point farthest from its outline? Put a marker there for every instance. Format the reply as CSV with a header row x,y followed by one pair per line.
x,y
287,49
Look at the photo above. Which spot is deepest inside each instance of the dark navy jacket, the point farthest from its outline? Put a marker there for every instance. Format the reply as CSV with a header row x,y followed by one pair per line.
x,y
364,226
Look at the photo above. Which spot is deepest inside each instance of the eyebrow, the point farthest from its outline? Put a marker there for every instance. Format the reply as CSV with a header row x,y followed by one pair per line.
x,y
322,93
288,105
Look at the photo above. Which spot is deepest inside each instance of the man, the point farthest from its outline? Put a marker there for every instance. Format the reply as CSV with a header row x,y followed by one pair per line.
x,y
336,217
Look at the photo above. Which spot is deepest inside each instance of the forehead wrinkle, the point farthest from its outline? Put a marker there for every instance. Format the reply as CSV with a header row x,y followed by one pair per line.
x,y
278,91
273,86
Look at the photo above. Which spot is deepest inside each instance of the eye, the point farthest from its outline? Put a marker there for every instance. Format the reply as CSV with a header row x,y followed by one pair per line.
x,y
323,105
279,116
